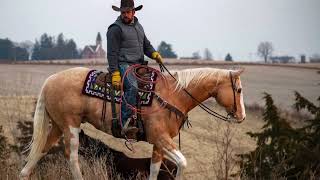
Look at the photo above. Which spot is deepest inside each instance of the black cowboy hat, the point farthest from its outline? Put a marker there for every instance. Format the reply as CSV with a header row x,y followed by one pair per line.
x,y
127,5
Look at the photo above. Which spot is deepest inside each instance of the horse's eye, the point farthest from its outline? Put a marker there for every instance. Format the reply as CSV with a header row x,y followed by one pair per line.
x,y
239,90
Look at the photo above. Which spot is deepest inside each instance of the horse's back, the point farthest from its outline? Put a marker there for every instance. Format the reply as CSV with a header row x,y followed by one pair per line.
x,y
73,74
73,71
63,90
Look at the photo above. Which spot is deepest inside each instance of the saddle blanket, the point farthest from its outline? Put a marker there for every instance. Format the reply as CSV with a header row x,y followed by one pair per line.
x,y
94,89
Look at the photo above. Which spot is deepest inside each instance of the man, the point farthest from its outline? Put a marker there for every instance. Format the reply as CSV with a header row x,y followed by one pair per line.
x,y
126,45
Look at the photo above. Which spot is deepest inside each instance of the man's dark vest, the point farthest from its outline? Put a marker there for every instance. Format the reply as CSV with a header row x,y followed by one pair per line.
x,y
132,38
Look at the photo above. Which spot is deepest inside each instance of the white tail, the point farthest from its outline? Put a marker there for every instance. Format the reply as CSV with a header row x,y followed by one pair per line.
x,y
40,128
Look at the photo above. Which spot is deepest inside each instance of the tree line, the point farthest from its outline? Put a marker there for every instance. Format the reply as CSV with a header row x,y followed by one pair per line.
x,y
10,51
46,48
49,48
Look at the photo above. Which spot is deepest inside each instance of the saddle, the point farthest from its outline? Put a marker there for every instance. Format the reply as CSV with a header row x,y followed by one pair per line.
x,y
98,84
103,78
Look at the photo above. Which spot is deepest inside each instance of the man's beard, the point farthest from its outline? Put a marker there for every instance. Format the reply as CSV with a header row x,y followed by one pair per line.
x,y
126,20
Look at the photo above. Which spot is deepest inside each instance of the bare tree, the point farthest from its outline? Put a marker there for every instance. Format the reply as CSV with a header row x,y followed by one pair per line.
x,y
225,162
207,54
265,50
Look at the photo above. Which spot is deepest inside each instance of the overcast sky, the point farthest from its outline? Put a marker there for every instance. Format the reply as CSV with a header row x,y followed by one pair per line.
x,y
235,26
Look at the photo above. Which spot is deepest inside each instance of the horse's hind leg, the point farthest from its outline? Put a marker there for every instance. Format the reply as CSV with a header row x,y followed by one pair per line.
x,y
52,138
71,137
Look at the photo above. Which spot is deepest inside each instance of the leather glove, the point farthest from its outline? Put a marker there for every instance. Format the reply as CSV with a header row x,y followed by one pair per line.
x,y
116,79
156,56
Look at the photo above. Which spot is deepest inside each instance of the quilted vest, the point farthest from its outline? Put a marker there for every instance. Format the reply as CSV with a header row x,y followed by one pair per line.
x,y
131,46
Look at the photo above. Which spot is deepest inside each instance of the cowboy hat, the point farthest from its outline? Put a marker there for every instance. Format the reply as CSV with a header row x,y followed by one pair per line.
x,y
127,5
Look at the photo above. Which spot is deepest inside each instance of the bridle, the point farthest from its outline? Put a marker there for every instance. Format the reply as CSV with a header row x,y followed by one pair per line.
x,y
206,108
234,89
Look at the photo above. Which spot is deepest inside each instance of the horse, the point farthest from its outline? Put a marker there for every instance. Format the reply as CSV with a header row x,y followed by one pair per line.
x,y
61,101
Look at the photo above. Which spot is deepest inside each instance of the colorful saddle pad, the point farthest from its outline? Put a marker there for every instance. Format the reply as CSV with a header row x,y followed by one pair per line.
x,y
93,88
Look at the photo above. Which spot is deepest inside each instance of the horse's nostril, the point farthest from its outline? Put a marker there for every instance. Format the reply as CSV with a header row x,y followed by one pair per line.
x,y
243,118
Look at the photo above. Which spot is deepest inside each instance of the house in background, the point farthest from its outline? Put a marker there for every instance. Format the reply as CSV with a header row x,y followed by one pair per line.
x,y
282,59
96,51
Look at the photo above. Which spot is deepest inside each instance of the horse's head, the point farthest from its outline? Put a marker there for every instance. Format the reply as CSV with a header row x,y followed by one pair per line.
x,y
229,94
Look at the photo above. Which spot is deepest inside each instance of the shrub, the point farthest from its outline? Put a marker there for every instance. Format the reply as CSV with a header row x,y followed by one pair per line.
x,y
284,151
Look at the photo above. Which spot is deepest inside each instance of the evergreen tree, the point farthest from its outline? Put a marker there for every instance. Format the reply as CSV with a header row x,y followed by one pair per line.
x,y
46,47
166,50
60,47
307,157
283,151
228,57
71,48
6,49
36,51
46,41
60,40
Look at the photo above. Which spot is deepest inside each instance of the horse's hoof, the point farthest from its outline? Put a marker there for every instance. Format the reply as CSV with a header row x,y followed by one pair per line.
x,y
24,176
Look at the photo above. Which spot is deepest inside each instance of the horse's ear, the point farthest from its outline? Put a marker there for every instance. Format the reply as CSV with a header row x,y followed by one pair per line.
x,y
238,72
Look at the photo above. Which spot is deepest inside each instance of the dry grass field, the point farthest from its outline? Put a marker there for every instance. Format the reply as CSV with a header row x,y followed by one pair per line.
x,y
202,144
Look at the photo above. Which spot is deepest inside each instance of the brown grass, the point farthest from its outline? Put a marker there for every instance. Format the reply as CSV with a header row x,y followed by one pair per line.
x,y
55,166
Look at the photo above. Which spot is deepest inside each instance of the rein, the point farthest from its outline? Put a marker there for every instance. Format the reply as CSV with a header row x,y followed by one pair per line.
x,y
203,106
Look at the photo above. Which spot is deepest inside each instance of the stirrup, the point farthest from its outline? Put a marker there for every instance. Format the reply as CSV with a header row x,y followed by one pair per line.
x,y
126,129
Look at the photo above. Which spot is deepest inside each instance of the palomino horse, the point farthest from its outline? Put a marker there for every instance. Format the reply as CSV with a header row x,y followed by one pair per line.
x,y
62,102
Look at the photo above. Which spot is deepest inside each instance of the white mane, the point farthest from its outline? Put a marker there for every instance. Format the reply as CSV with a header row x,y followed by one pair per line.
x,y
194,76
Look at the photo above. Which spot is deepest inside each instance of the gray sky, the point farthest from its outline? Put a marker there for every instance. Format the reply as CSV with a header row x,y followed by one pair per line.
x,y
235,26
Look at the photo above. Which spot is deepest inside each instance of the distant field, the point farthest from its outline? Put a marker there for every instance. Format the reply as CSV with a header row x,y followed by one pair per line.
x,y
280,81
20,84
182,62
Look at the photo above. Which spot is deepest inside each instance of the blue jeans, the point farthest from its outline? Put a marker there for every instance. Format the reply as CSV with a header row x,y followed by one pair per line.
x,y
130,93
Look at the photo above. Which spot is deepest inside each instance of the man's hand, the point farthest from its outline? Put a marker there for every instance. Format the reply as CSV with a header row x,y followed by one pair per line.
x,y
156,56
116,80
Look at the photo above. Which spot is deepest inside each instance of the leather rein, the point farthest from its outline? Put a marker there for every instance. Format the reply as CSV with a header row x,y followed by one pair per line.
x,y
203,106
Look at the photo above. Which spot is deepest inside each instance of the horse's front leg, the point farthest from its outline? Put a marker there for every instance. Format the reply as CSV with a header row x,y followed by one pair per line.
x,y
169,150
177,157
156,160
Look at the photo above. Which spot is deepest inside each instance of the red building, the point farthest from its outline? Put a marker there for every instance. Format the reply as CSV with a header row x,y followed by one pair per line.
x,y
92,51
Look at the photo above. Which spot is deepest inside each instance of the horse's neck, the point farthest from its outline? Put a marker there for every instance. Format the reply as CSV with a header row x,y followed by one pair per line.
x,y
199,91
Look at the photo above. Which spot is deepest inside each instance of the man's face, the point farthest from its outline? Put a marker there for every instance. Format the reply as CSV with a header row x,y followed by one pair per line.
x,y
127,16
